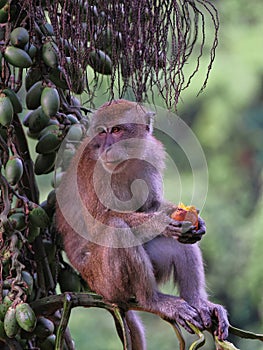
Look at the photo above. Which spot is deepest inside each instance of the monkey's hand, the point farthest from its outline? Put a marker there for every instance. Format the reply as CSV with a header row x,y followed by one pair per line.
x,y
214,317
192,235
184,231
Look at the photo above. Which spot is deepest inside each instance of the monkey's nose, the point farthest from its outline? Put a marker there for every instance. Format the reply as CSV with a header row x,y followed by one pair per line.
x,y
107,154
108,149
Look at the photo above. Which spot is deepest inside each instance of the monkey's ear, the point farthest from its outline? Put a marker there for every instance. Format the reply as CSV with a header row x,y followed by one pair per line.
x,y
149,118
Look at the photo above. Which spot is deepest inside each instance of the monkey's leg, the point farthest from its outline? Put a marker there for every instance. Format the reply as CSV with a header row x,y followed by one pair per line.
x,y
168,255
131,274
196,296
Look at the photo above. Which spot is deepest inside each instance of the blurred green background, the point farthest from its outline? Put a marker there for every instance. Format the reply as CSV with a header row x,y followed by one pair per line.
x,y
228,121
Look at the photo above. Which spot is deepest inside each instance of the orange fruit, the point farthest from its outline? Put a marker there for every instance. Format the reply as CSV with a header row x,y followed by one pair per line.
x,y
186,213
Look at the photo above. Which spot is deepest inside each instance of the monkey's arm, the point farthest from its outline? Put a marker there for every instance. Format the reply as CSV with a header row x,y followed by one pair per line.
x,y
160,223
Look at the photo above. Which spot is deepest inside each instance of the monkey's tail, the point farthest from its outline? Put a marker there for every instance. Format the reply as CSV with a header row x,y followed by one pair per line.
x,y
136,328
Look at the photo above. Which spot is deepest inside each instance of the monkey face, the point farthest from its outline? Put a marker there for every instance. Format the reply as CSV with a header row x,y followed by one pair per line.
x,y
118,143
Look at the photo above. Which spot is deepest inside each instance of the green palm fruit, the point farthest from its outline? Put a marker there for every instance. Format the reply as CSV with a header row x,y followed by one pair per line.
x,y
32,115
47,209
72,118
50,55
7,302
33,233
49,142
47,29
4,14
100,62
37,120
28,279
19,37
54,121
10,323
14,170
74,101
75,133
18,221
58,78
15,100
48,129
50,101
6,110
38,217
31,50
45,163
25,317
105,39
17,57
32,135
51,199
32,76
33,96
44,328
48,343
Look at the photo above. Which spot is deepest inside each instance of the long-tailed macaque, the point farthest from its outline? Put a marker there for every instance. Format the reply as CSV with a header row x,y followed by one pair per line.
x,y
117,228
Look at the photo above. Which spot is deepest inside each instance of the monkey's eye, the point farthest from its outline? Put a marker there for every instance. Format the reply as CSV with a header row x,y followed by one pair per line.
x,y
115,129
100,130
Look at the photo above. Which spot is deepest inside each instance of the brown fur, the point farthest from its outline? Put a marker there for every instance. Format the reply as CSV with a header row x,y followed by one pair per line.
x,y
119,272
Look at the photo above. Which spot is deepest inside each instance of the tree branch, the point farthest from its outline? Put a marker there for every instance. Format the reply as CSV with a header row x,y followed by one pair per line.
x,y
48,305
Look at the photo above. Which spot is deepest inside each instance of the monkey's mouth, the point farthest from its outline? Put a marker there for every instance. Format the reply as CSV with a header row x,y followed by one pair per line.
x,y
113,161
114,165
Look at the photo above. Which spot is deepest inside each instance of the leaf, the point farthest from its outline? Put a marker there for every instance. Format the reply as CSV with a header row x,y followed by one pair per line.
x,y
224,345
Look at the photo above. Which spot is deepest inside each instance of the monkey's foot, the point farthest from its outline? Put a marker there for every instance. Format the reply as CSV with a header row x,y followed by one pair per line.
x,y
181,312
214,318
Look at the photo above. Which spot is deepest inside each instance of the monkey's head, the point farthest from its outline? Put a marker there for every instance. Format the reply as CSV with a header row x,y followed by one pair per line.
x,y
120,130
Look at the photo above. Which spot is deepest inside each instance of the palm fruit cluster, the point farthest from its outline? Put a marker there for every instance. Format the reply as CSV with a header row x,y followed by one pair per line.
x,y
37,106
48,123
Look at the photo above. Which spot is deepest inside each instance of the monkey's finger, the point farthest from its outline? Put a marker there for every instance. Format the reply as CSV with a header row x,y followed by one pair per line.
x,y
205,314
190,237
181,226
176,223
189,240
185,314
187,226
223,324
174,227
202,226
197,322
